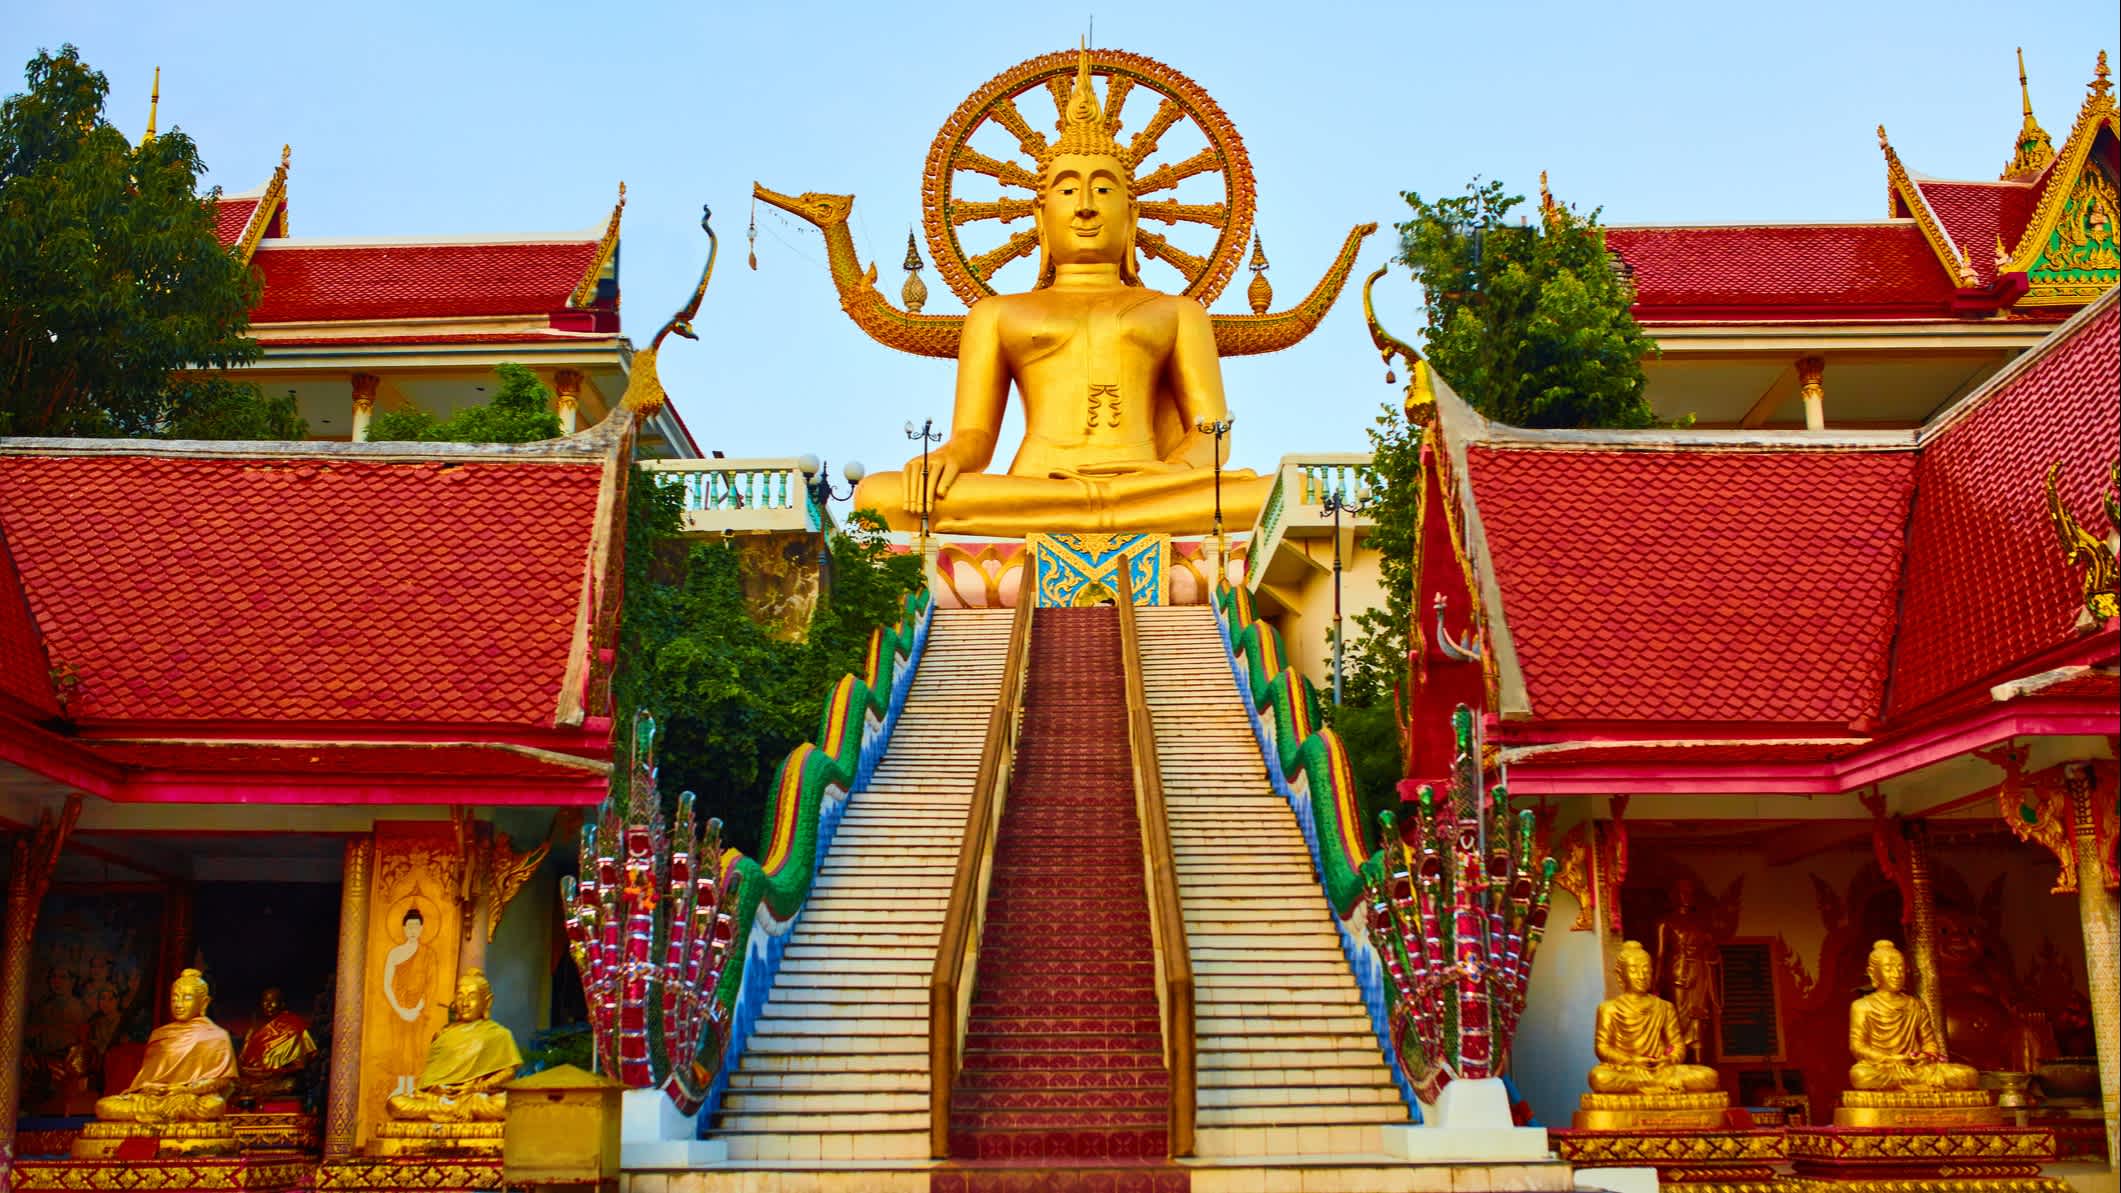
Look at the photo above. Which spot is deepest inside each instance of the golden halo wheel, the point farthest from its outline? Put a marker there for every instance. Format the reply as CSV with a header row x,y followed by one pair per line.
x,y
1207,230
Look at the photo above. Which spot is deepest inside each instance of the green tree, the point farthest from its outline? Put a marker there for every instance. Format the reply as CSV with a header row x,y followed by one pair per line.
x,y
520,413
118,306
1529,324
731,700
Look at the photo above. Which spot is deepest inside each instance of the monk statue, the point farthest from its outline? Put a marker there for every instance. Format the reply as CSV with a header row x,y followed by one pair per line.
x,y
275,1052
1118,381
1690,967
466,1064
180,1095
1890,1034
189,1066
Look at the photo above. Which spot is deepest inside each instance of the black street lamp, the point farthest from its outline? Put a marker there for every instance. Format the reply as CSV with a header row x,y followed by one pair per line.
x,y
1218,428
927,434
1336,503
817,477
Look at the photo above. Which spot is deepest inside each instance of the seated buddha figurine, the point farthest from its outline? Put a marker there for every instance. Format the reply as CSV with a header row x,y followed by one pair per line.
x,y
275,1052
1901,1076
1642,1078
1116,379
180,1092
466,1065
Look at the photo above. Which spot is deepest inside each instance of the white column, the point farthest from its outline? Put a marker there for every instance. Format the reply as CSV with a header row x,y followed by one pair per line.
x,y
364,403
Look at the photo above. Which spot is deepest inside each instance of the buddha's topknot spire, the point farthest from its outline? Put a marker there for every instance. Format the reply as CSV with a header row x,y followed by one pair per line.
x,y
1082,124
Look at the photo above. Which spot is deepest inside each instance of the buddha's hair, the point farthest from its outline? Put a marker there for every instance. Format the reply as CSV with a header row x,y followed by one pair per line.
x,y
475,977
190,979
1880,950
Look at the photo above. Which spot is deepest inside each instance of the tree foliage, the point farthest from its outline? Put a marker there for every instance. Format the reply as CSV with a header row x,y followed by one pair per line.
x,y
520,413
730,699
118,305
1528,323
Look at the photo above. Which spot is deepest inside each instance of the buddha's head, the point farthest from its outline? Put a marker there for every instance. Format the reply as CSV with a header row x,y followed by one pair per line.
x,y
1685,894
1086,210
271,1003
474,996
188,996
1634,968
1887,968
413,924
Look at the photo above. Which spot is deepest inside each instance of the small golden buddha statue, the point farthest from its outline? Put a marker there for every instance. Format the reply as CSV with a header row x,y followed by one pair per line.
x,y
180,1092
1116,379
1642,1078
457,1102
275,1051
1902,1076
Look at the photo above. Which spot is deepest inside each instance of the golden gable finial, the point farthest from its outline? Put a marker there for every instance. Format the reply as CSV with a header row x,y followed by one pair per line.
x,y
1082,125
2100,86
2034,150
154,101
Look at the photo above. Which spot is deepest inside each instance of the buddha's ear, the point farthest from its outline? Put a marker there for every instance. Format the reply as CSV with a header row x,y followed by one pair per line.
x,y
1130,267
1045,252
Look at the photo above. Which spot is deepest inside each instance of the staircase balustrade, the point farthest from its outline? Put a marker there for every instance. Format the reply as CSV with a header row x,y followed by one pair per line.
x,y
950,983
739,495
1167,921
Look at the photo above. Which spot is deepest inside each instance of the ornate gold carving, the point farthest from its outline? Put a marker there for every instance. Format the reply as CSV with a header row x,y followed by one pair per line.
x,y
2033,150
2071,164
2003,1146
271,201
1579,870
508,870
2038,809
1904,1098
1644,1149
1950,255
2083,549
175,1176
343,1096
439,1175
585,291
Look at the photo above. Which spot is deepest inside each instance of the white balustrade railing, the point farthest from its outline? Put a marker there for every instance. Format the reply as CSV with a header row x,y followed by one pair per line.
x,y
740,495
1294,506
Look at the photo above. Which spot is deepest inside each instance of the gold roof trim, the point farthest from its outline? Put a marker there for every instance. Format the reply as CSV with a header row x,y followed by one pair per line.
x,y
585,291
269,204
2070,161
1950,255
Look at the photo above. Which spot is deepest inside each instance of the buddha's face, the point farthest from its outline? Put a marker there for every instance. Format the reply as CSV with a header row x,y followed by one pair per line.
x,y
1085,210
1889,972
1635,971
269,1004
472,1000
187,1000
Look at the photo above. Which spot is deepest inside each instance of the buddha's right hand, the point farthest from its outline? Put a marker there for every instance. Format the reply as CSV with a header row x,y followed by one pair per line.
x,y
942,469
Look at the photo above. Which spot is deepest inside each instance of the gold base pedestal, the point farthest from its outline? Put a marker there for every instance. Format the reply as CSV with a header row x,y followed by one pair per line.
x,y
423,1174
1932,1160
438,1139
1729,1161
101,1140
1918,1108
1651,1112
274,1131
231,1174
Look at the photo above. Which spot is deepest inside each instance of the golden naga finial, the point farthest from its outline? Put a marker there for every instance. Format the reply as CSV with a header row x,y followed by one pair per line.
x,y
915,292
2082,548
644,389
2100,85
1421,396
1261,292
154,101
2033,150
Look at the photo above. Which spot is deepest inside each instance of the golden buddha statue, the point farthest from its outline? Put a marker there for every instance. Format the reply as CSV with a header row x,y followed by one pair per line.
x,y
180,1093
1642,1078
1902,1076
457,1102
275,1051
1117,380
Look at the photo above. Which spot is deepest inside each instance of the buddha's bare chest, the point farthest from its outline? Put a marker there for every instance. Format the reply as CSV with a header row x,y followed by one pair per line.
x,y
1102,338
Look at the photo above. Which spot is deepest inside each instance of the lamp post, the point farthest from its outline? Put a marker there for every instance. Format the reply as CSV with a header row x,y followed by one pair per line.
x,y
1336,503
817,481
1218,428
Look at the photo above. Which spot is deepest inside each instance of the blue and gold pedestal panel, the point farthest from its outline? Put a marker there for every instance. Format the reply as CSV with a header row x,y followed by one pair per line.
x,y
1086,569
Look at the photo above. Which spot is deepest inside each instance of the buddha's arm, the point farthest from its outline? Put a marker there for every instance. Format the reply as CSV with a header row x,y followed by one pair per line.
x,y
1604,1041
1860,1034
976,418
1197,381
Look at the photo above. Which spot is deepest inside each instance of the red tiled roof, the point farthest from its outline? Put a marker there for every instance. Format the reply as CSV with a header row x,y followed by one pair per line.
x,y
1974,214
1734,586
332,761
306,588
231,216
598,339
312,283
1693,753
1789,272
25,669
1987,585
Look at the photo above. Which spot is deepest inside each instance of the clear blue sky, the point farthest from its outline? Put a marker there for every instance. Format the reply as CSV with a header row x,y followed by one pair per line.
x,y
449,117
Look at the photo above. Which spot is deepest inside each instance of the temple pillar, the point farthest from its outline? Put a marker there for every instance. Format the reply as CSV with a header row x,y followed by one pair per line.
x,y
479,914
364,403
1811,386
35,858
567,398
343,1097
1922,920
2099,912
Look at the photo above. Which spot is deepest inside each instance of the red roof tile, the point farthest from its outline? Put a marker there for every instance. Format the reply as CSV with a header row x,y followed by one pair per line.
x,y
1736,586
305,588
312,283
25,669
231,216
1987,586
596,340
332,762
1809,271
1691,753
1975,213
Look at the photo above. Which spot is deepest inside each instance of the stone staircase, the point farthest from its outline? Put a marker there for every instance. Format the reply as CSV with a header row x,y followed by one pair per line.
x,y
837,1067
1288,1066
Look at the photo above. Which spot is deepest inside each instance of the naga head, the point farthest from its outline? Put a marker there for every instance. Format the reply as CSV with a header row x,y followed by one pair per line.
x,y
822,210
